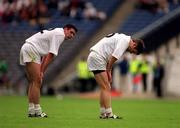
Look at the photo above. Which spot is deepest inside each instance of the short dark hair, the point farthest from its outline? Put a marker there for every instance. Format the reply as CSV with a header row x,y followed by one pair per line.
x,y
140,46
70,26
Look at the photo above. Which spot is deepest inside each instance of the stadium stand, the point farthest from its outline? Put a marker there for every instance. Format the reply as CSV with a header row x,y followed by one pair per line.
x,y
141,20
12,37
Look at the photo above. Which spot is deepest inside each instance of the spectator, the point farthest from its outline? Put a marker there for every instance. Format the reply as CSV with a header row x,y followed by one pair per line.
x,y
63,7
154,5
42,14
4,81
4,4
7,16
80,9
83,75
144,70
123,67
134,70
163,6
38,13
150,5
76,8
24,14
158,75
90,12
86,81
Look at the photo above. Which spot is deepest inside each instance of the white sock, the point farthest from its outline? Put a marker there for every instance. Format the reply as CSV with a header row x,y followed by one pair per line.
x,y
31,105
31,108
37,106
109,112
37,109
102,111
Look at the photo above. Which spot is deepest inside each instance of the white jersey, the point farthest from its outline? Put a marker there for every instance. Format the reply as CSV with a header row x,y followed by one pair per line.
x,y
114,44
47,41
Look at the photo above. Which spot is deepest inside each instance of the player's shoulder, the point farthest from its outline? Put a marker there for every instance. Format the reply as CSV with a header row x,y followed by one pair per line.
x,y
58,31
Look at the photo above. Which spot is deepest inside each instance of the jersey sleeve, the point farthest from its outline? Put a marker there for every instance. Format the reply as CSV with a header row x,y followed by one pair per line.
x,y
55,44
121,47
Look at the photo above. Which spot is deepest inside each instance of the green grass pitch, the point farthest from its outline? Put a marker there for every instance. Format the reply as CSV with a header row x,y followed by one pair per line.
x,y
74,112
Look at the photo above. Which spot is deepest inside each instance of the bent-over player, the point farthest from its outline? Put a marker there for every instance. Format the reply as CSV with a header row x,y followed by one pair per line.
x,y
100,61
36,54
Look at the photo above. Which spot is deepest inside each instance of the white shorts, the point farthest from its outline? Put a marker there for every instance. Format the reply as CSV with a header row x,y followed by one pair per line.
x,y
29,54
96,62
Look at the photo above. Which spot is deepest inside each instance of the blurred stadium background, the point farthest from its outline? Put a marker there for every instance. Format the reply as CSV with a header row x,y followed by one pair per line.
x,y
158,24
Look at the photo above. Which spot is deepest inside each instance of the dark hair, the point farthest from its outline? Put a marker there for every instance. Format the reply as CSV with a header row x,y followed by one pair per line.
x,y
71,26
140,45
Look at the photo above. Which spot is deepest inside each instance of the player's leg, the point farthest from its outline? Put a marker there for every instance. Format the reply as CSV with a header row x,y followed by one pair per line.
x,y
105,89
105,94
34,78
33,73
30,98
102,106
31,111
105,102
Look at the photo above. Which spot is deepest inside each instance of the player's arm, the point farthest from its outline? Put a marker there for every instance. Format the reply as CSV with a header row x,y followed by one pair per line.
x,y
46,60
110,63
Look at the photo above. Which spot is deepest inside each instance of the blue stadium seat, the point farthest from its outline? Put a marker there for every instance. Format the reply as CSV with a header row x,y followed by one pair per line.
x,y
140,19
13,36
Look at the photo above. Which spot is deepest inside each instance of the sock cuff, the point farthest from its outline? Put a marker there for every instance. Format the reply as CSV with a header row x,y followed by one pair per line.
x,y
102,110
37,106
31,105
109,110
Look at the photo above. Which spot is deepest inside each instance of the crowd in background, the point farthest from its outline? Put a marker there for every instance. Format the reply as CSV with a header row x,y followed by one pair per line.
x,y
80,9
155,6
40,11
15,11
34,11
140,70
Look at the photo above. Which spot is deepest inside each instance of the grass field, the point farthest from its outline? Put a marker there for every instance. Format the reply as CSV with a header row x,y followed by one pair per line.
x,y
74,112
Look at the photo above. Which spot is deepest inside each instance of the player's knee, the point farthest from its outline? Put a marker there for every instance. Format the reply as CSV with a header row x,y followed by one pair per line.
x,y
37,80
106,87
